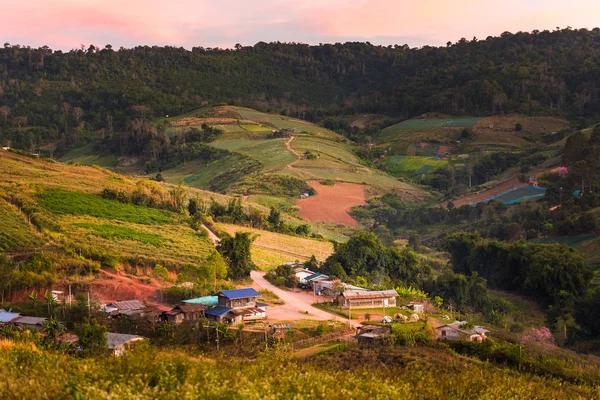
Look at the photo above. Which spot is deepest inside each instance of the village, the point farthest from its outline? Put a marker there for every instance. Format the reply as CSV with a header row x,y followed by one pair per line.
x,y
369,314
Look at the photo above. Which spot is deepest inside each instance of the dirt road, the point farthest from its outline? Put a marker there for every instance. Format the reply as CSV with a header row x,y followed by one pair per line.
x,y
296,304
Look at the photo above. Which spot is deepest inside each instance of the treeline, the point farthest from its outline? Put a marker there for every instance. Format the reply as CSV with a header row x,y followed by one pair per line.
x,y
66,95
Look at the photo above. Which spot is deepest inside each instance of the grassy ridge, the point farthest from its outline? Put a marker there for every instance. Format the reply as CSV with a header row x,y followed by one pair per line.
x,y
15,233
63,202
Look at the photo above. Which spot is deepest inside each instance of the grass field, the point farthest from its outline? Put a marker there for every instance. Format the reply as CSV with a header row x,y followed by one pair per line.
x,y
415,165
107,231
174,242
271,249
15,232
271,153
255,128
62,202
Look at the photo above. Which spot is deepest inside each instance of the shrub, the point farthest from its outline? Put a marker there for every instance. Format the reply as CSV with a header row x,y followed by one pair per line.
x,y
516,327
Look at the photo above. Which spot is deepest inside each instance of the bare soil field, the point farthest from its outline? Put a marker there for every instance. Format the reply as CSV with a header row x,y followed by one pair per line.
x,y
115,286
332,203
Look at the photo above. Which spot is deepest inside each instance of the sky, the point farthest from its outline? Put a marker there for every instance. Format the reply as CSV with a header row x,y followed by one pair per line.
x,y
67,24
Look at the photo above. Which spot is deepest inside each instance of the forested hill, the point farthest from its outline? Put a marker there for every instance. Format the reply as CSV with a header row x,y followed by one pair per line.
x,y
524,72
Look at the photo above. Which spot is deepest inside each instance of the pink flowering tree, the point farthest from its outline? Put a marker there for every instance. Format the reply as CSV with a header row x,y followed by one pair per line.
x,y
539,336
563,172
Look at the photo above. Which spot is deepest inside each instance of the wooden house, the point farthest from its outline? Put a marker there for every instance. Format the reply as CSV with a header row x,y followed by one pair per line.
x,y
185,312
237,305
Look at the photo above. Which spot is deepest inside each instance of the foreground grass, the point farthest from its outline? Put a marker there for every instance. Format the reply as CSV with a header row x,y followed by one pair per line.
x,y
148,373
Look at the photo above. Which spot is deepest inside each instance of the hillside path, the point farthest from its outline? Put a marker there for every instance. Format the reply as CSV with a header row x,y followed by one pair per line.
x,y
215,239
288,146
296,302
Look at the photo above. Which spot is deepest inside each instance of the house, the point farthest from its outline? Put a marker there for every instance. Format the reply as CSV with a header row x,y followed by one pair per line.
x,y
186,312
7,317
458,331
368,298
302,274
417,307
238,298
238,305
119,343
31,323
316,277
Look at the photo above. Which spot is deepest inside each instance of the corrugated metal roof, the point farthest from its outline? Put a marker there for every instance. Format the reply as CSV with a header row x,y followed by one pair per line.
x,y
316,275
190,307
6,317
371,294
128,305
29,321
117,339
217,311
239,293
209,301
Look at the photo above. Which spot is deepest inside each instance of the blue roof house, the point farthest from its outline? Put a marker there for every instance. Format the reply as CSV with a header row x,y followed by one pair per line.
x,y
237,305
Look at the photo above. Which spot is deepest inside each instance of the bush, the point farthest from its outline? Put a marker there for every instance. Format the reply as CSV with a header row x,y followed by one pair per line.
x,y
516,327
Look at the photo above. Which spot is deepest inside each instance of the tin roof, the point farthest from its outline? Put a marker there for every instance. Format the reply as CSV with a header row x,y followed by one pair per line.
x,y
239,293
316,275
217,311
29,321
117,339
128,305
209,301
371,294
6,317
190,307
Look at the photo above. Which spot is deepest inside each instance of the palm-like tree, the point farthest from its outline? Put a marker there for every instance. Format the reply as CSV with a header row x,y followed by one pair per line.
x,y
51,303
53,328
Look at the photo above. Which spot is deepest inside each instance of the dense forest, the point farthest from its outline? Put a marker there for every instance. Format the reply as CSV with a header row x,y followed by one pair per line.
x,y
55,95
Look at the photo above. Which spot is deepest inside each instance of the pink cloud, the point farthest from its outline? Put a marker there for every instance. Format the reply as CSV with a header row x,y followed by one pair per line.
x,y
68,23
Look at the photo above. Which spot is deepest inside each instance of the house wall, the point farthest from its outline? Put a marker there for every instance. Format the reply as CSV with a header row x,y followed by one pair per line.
x,y
369,303
237,303
451,334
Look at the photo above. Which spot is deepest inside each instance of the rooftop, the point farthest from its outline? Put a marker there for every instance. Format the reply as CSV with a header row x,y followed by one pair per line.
x,y
187,307
458,326
239,293
6,317
217,311
209,301
117,339
370,294
316,275
128,305
30,320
